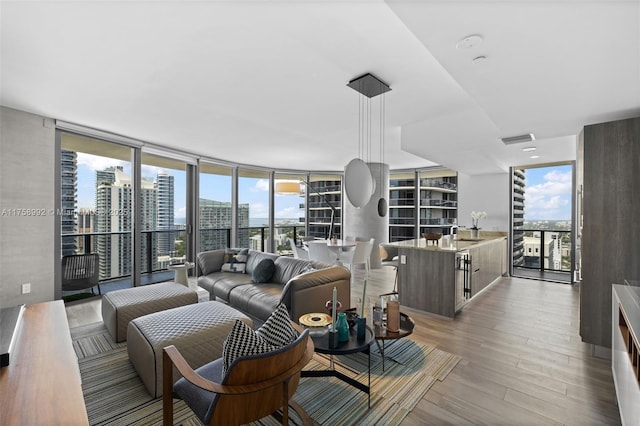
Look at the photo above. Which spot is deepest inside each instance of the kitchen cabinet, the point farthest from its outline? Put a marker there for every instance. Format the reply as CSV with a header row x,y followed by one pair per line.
x,y
431,278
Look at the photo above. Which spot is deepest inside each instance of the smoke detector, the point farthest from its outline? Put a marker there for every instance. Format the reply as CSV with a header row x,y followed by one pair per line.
x,y
469,41
511,140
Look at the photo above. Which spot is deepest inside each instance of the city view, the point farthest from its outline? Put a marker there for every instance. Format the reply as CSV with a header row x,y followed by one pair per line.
x,y
96,191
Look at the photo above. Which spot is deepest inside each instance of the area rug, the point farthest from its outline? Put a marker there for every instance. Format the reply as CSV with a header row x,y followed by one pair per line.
x,y
114,395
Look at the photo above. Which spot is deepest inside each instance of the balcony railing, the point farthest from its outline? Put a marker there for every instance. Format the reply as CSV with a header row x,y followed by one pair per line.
x,y
162,248
402,202
437,183
438,221
544,250
429,202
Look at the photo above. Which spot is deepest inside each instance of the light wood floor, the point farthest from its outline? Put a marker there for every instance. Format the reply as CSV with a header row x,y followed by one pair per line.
x,y
523,362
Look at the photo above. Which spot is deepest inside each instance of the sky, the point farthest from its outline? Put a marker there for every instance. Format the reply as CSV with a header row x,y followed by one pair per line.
x,y
547,190
548,193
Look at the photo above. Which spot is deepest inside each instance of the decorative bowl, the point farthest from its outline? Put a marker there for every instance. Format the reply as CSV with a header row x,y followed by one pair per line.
x,y
432,236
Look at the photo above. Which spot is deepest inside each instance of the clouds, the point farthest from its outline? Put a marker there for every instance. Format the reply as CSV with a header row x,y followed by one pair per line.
x,y
95,162
548,194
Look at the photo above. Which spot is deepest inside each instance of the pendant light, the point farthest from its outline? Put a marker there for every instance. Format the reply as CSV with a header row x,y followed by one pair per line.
x,y
360,184
382,202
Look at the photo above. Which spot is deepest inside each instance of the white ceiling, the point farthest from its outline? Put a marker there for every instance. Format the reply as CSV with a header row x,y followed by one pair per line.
x,y
264,82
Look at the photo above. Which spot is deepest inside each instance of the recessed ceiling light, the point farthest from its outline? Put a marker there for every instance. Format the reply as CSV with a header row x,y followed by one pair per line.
x,y
535,156
469,41
529,149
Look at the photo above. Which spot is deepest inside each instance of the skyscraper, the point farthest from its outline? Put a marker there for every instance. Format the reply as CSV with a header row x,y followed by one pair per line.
x,y
114,215
165,189
216,218
69,203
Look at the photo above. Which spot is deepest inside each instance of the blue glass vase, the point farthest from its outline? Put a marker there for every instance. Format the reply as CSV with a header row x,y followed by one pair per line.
x,y
343,327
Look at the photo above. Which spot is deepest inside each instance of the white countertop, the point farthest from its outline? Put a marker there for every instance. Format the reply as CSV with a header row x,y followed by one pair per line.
x,y
446,245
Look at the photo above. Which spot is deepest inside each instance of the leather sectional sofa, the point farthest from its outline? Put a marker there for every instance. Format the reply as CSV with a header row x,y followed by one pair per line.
x,y
303,286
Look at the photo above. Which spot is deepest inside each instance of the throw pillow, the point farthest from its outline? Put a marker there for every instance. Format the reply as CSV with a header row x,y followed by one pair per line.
x,y
235,260
277,329
242,341
263,271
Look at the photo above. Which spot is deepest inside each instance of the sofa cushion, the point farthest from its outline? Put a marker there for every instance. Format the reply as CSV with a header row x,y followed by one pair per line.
x,y
263,272
255,257
235,260
258,299
225,282
289,267
210,261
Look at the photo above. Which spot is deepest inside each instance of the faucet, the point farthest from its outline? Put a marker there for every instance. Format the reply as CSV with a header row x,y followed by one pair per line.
x,y
452,235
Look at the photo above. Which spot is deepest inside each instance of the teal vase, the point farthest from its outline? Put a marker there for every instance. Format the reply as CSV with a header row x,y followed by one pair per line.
x,y
343,327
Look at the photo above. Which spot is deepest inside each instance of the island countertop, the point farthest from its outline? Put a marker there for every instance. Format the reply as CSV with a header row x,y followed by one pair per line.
x,y
440,278
463,242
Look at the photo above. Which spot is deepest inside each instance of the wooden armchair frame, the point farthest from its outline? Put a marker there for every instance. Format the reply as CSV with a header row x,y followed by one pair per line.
x,y
255,399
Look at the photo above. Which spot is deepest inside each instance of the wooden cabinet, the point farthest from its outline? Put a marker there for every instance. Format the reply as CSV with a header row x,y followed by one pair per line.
x,y
487,264
429,280
611,230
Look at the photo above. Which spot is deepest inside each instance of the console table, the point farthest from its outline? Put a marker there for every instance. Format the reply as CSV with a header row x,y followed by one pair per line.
x,y
625,351
42,384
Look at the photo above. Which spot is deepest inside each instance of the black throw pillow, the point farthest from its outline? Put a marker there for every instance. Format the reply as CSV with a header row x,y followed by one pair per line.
x,y
263,271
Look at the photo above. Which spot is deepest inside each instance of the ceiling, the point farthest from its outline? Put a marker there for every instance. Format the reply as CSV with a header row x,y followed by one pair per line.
x,y
264,82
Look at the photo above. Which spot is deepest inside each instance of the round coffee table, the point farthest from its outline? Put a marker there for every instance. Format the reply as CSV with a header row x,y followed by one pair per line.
x,y
381,333
320,337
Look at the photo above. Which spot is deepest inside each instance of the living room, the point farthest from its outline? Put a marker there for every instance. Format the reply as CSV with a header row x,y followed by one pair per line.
x,y
208,80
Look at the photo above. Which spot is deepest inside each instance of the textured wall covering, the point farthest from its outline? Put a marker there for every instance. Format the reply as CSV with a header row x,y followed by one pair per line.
x,y
611,229
27,195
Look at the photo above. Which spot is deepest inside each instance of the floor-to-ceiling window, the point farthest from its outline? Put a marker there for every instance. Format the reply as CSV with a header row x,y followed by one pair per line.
x,y
542,237
163,216
402,206
324,194
96,202
253,209
438,200
215,206
289,213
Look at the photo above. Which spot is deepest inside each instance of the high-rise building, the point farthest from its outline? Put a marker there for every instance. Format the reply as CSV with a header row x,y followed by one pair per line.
x,y
114,215
69,202
421,203
324,190
518,217
86,219
165,189
216,219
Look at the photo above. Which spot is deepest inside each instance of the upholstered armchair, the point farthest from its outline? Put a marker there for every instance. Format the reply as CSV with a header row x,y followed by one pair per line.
x,y
253,386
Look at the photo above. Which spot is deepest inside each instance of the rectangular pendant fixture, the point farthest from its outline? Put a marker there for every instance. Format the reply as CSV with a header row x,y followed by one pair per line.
x,y
369,85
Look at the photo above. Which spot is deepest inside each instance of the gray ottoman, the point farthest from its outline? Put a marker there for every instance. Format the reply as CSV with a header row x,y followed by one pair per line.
x,y
121,306
198,331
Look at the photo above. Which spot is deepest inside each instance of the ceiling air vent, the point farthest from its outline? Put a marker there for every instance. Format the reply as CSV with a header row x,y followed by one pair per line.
x,y
518,139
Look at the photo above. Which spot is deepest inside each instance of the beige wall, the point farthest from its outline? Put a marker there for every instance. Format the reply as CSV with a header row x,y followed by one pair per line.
x,y
27,161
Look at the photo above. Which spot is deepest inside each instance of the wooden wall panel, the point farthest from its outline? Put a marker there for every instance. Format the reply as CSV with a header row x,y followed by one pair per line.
x,y
611,230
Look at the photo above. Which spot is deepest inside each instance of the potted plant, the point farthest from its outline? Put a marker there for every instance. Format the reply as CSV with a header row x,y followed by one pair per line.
x,y
475,218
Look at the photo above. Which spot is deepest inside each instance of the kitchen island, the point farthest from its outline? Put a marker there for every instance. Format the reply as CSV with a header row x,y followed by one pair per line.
x,y
441,278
